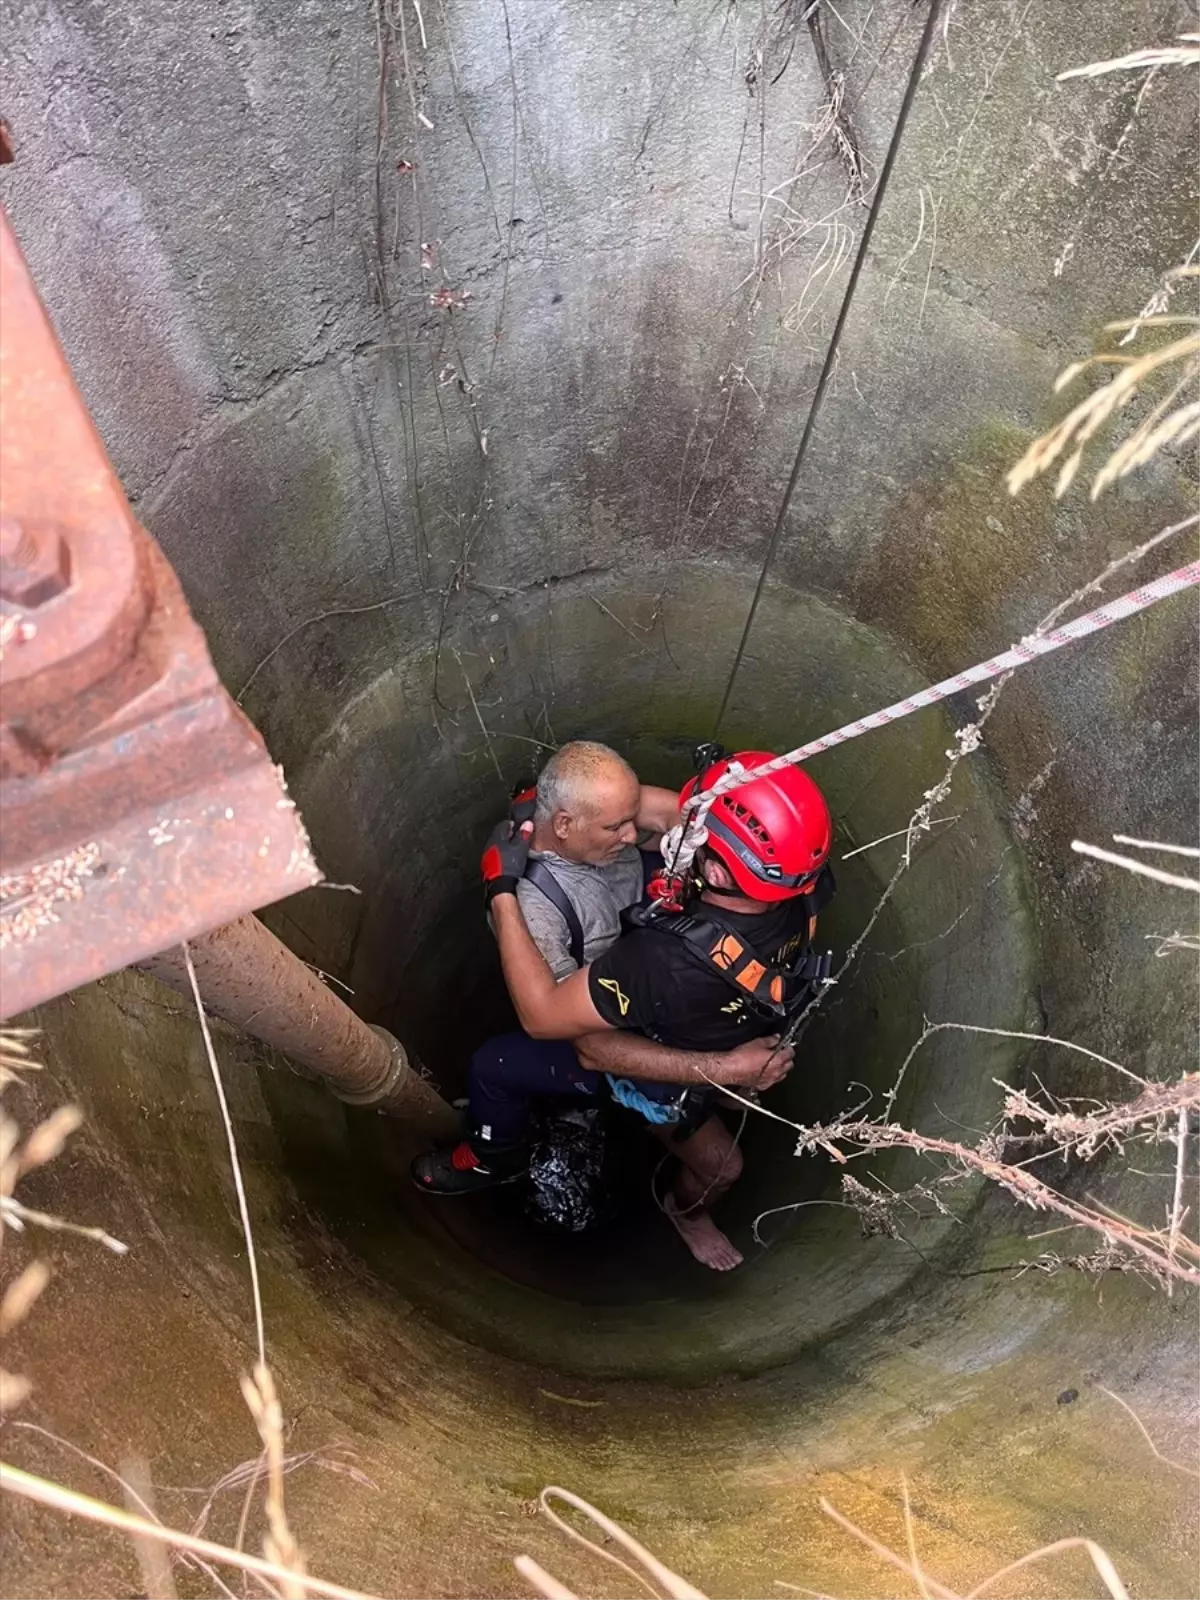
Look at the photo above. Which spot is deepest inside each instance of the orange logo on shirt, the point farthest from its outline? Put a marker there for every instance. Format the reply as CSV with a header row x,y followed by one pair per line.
x,y
726,951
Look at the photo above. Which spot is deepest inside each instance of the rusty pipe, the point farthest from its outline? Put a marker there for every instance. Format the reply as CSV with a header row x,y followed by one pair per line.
x,y
249,978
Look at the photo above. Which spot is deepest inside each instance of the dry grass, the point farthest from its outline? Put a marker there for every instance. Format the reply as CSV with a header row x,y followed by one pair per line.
x,y
1165,375
281,1570
1185,54
1031,1129
674,1587
21,1154
1141,869
1173,420
53,1495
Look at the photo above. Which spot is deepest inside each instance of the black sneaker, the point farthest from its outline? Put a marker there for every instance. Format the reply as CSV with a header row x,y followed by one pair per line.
x,y
463,1170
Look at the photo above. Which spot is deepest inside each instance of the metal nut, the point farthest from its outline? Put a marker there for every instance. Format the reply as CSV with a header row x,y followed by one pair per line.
x,y
35,563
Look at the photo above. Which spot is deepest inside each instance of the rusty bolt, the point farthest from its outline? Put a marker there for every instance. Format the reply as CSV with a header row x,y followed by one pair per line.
x,y
35,563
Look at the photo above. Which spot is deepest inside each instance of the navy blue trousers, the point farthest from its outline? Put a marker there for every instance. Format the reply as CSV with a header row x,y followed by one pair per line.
x,y
508,1071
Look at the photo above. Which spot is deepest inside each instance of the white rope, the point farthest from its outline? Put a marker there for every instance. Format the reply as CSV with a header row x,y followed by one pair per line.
x,y
1027,650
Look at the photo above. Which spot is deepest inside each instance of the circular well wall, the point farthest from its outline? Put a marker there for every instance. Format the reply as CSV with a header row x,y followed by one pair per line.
x,y
955,941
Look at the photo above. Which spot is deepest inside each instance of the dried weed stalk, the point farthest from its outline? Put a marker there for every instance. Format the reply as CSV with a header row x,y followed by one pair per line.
x,y
1185,54
21,1154
1173,419
675,1587
1166,375
1035,1130
1141,869
281,1570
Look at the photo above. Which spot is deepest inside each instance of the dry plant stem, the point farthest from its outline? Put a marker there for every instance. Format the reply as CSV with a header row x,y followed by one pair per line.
x,y
928,1585
1109,1576
1160,428
910,1536
39,1490
17,1215
154,1561
127,1488
247,1501
541,1580
1144,1243
676,1587
20,1295
322,616
1177,1211
930,1588
1157,844
938,1591
234,1161
483,727
249,1473
259,1391
1184,54
1139,868
1091,1131
899,833
263,1402
1160,1252
1180,1466
1161,298
1003,1033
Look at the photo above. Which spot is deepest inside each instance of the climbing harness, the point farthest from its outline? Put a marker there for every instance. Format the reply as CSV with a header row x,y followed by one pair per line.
x,y
686,839
775,990
539,875
778,992
520,811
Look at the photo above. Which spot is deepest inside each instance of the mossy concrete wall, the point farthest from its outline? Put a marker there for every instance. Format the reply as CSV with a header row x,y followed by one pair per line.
x,y
426,542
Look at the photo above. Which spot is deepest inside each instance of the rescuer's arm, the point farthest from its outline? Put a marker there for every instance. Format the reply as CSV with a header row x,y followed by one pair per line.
x,y
658,809
757,1064
550,1010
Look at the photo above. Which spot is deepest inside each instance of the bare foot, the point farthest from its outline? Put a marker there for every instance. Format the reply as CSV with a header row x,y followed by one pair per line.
x,y
703,1238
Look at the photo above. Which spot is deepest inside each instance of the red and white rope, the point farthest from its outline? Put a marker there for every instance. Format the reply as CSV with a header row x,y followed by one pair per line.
x,y
1028,649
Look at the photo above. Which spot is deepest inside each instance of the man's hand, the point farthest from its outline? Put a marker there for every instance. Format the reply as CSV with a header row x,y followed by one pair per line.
x,y
502,865
758,1064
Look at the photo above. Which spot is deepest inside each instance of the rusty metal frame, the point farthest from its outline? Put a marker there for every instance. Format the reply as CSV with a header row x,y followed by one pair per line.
x,y
138,806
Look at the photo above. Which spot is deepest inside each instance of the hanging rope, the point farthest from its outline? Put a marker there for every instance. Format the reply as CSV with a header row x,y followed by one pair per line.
x,y
1030,648
835,340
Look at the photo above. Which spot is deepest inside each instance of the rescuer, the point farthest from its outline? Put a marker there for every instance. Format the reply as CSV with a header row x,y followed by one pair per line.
x,y
683,1002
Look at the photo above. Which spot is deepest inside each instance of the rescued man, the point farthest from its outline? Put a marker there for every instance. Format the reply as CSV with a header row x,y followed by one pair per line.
x,y
761,879
583,870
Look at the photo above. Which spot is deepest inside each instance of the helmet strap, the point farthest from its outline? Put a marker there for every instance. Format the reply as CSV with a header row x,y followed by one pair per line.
x,y
704,885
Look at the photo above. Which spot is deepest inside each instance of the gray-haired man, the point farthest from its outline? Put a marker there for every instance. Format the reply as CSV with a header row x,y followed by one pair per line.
x,y
585,868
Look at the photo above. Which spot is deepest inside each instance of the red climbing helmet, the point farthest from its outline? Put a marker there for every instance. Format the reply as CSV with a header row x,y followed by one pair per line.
x,y
774,833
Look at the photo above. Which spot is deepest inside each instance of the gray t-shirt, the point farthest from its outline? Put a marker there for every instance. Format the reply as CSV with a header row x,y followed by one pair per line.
x,y
599,895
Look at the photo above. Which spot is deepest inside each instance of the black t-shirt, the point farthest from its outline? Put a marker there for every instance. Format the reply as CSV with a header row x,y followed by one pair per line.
x,y
650,982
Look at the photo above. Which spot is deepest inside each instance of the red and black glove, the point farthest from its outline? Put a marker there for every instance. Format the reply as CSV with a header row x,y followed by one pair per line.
x,y
524,803
502,865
